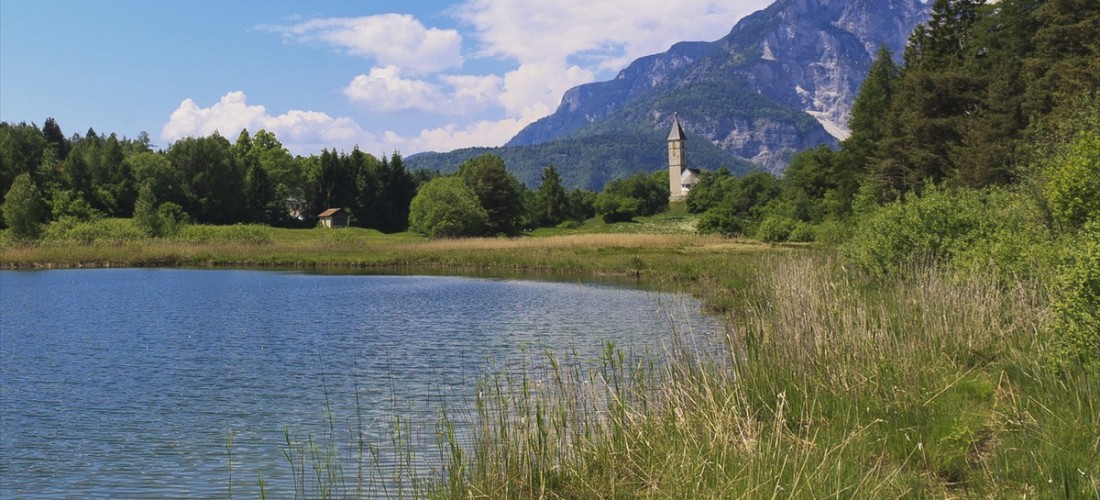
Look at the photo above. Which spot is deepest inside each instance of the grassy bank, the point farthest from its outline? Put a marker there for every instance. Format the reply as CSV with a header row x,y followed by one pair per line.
x,y
927,386
929,382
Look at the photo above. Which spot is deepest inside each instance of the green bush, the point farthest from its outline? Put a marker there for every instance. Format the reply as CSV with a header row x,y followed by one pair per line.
x,y
775,229
803,232
963,228
446,207
1077,307
101,231
1072,186
23,208
239,233
616,208
833,232
720,220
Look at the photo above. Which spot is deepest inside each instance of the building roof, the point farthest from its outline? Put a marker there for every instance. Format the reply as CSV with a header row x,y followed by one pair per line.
x,y
330,212
689,176
677,133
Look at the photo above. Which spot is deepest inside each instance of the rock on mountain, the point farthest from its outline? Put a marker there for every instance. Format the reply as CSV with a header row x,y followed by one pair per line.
x,y
782,80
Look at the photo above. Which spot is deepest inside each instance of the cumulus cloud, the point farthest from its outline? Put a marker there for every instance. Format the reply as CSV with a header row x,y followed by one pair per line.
x,y
303,132
608,34
389,39
546,48
454,136
474,92
384,90
559,45
536,89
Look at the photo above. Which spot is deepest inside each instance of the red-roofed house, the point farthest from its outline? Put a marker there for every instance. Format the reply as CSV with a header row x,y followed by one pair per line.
x,y
334,217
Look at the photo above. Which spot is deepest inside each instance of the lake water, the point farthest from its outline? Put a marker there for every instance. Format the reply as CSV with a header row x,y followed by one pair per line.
x,y
126,383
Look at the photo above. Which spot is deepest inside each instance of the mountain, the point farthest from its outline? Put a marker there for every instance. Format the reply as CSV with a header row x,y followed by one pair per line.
x,y
782,80
586,161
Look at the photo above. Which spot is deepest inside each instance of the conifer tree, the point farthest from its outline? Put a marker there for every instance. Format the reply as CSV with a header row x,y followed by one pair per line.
x,y
870,110
551,201
934,92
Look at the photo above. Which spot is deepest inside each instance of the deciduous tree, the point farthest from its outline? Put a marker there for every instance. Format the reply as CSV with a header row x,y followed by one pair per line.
x,y
23,208
446,207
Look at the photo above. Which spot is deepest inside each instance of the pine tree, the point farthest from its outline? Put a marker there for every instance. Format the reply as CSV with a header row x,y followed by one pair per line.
x,y
551,201
934,93
990,144
1066,61
55,139
870,110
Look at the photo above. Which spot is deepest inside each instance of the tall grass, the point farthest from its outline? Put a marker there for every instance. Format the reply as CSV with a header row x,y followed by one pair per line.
x,y
924,386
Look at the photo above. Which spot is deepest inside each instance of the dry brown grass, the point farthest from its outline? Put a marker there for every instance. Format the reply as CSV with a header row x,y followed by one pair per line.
x,y
580,241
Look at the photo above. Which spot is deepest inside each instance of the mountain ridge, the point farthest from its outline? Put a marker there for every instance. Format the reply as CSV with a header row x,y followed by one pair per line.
x,y
782,80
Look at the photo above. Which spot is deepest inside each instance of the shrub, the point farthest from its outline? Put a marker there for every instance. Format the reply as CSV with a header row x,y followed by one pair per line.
x,y
719,220
242,234
1077,307
1072,187
446,207
616,208
803,232
101,231
833,232
164,220
23,208
775,229
172,218
963,228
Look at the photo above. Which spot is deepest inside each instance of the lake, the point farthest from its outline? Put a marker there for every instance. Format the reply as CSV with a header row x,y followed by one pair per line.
x,y
128,383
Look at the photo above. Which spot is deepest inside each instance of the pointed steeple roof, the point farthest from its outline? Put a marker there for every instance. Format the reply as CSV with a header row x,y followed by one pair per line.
x,y
677,133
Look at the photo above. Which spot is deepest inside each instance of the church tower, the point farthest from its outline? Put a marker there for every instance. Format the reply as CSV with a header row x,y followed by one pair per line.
x,y
676,160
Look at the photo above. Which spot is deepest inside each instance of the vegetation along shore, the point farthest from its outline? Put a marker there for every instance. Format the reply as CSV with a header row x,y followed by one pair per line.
x,y
913,313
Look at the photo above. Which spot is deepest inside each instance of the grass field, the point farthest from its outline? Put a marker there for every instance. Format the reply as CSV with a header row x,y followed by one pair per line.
x,y
834,384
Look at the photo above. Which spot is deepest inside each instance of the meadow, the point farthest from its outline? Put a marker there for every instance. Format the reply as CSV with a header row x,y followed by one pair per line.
x,y
928,382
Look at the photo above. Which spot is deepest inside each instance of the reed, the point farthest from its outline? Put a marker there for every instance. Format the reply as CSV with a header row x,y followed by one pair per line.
x,y
922,386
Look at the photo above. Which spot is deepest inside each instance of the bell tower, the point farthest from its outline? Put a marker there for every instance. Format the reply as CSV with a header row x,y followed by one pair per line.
x,y
676,160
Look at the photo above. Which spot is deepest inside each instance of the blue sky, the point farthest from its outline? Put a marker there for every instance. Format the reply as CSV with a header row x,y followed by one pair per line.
x,y
411,76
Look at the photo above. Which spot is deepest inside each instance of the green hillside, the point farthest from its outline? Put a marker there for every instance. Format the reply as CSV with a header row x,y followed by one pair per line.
x,y
588,161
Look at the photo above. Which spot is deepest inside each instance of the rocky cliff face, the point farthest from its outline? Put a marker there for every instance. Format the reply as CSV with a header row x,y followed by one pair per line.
x,y
783,80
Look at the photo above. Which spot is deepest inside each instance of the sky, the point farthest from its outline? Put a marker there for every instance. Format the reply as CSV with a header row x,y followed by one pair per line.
x,y
408,76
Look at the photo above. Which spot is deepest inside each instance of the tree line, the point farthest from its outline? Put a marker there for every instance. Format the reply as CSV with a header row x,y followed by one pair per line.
x,y
46,176
198,179
985,95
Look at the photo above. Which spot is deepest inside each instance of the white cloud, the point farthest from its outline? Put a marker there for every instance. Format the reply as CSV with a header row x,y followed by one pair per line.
x,y
303,132
384,90
559,45
475,92
389,39
608,33
537,88
535,51
453,136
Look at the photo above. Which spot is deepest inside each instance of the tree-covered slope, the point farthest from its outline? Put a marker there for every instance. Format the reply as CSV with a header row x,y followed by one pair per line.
x,y
588,161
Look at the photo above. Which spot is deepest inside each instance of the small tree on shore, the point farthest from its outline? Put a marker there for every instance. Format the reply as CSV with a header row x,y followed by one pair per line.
x,y
157,219
446,207
551,200
23,208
